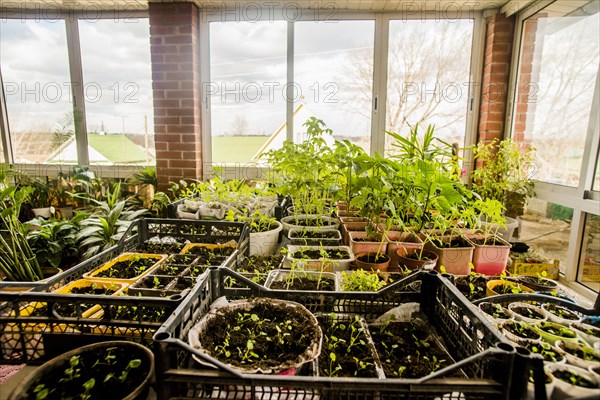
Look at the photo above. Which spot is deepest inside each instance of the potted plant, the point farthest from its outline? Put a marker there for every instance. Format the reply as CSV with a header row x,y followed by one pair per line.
x,y
527,312
518,330
490,254
320,258
505,286
303,237
505,174
539,283
292,335
113,369
264,232
589,333
572,382
473,286
299,279
546,350
495,312
578,354
41,198
552,332
560,314
54,242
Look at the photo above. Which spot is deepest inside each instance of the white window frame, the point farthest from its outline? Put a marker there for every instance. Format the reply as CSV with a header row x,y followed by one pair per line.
x,y
582,199
71,20
379,94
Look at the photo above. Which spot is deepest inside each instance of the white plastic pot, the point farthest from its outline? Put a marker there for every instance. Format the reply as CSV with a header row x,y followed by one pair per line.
x,y
566,390
264,244
517,304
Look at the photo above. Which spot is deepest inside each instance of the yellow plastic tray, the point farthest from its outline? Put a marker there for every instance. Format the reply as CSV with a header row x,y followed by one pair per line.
x,y
209,246
124,257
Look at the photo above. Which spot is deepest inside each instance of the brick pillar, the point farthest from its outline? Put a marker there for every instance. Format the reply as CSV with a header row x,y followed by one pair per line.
x,y
495,82
176,89
532,43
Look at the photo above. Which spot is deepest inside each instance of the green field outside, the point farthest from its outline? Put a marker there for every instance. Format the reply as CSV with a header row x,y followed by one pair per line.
x,y
236,148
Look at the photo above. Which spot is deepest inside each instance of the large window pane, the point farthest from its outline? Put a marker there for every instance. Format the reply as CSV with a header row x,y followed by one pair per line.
x,y
557,73
35,70
589,272
117,77
247,89
428,77
333,76
546,227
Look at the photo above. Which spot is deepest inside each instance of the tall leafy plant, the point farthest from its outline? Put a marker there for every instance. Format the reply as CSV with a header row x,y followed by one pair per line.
x,y
17,260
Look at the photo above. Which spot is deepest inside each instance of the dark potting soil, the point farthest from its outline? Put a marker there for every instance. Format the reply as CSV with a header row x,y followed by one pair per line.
x,y
154,282
196,271
312,222
373,258
549,354
472,293
367,240
133,313
324,253
577,352
521,331
306,283
94,290
231,282
495,310
561,312
314,234
454,243
528,312
170,269
406,350
159,248
353,352
128,269
114,376
537,281
183,283
206,253
487,242
236,337
180,259
255,264
581,381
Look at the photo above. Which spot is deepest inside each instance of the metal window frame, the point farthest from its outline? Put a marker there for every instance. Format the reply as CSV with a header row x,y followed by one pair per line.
x,y
71,20
379,90
582,199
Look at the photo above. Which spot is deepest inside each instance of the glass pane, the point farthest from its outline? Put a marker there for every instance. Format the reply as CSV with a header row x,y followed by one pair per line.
x,y
35,71
558,68
428,75
118,90
247,89
333,76
546,228
589,272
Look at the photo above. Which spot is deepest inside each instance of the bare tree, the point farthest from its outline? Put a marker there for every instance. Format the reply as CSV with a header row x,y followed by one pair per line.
x,y
239,126
428,71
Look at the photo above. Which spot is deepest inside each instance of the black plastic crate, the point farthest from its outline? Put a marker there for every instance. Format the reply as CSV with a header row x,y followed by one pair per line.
x,y
33,338
182,230
494,368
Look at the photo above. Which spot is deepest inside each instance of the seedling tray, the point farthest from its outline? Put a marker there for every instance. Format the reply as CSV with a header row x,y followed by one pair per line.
x,y
495,370
95,275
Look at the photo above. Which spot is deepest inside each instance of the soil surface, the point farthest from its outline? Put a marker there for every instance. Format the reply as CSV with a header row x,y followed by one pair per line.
x,y
373,258
314,234
306,283
549,354
521,331
106,367
347,349
407,350
324,253
581,381
205,252
133,313
528,312
495,310
259,264
154,282
477,291
128,269
581,354
561,312
159,248
454,243
265,336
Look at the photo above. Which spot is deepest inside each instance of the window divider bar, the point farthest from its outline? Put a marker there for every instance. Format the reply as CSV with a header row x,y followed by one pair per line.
x,y
78,96
4,125
379,101
289,91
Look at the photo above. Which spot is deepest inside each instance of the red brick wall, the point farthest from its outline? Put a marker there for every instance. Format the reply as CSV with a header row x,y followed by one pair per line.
x,y
495,82
175,86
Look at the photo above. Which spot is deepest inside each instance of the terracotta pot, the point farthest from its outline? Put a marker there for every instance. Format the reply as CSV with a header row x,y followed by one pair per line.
x,y
427,259
361,243
399,240
455,260
372,261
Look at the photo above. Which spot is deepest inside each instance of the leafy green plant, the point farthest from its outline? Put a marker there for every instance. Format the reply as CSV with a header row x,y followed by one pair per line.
x,y
54,241
505,175
17,260
361,281
105,228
